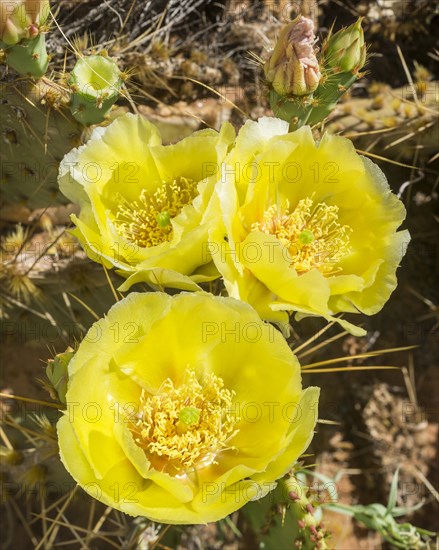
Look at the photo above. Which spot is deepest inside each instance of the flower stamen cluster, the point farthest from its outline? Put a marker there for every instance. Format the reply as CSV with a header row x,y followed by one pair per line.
x,y
311,233
185,427
147,222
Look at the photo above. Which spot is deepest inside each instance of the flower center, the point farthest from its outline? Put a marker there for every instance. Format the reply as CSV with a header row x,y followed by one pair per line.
x,y
147,222
185,427
311,233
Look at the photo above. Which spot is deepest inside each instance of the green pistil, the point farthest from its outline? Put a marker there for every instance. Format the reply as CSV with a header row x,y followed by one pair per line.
x,y
306,237
163,219
189,416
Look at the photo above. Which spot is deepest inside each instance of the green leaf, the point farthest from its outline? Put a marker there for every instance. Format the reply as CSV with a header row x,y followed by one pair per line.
x,y
393,491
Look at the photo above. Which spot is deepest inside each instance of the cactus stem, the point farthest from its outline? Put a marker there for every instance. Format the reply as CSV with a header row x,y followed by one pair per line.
x,y
28,57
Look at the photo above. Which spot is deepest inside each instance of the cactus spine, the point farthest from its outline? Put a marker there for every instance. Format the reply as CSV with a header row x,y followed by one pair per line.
x,y
38,130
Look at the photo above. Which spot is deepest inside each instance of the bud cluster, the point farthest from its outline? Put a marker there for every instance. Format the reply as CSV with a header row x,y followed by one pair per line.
x,y
304,86
312,533
22,24
22,19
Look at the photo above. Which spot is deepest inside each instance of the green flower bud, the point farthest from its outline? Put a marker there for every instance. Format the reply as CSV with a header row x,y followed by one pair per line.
x,y
293,69
38,10
56,372
11,34
346,49
21,27
95,83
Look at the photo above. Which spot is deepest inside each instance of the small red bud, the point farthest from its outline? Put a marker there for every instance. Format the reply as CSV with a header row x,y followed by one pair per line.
x,y
33,31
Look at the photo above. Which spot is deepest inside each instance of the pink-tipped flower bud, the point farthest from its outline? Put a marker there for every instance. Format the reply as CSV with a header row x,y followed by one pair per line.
x,y
293,69
295,491
346,49
33,31
21,19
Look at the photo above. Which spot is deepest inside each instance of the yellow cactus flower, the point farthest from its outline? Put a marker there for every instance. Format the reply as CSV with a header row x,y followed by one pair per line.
x,y
308,227
144,206
182,409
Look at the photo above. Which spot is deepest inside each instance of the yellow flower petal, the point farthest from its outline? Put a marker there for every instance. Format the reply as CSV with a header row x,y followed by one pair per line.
x,y
145,207
305,227
124,438
303,419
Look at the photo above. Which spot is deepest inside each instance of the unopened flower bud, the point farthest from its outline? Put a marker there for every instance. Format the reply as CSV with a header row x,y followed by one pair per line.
x,y
309,520
346,49
21,19
293,69
10,33
295,491
56,372
95,83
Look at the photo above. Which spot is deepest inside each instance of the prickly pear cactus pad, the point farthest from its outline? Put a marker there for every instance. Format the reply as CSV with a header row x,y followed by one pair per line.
x,y
37,130
218,275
